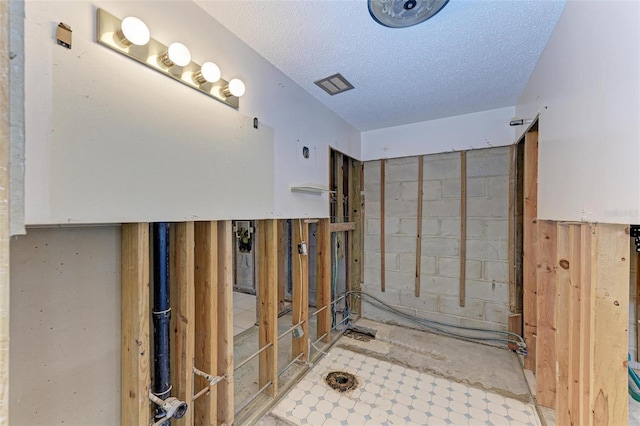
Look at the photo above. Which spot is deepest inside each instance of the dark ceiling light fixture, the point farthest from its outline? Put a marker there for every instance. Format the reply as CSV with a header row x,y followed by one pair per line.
x,y
404,13
334,84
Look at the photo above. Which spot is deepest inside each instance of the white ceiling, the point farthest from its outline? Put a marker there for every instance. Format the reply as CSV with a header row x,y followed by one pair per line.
x,y
474,55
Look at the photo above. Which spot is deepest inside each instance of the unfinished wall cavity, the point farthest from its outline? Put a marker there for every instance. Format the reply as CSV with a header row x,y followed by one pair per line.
x,y
634,298
65,326
487,207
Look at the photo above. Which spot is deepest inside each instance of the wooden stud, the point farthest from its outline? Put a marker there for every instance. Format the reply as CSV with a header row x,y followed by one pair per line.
x,y
545,339
323,279
341,227
514,326
182,314
529,245
463,226
362,204
419,224
280,262
135,372
224,287
4,236
206,315
300,290
608,366
577,328
267,306
563,322
382,248
511,264
355,237
339,171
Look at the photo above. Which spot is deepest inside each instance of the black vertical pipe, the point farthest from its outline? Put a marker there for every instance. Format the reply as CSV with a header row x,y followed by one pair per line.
x,y
161,313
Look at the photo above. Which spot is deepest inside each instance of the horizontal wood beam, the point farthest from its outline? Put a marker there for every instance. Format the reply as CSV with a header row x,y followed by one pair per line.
x,y
340,227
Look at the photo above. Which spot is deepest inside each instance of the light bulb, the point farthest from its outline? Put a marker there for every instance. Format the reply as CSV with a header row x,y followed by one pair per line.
x,y
177,54
209,72
234,88
134,31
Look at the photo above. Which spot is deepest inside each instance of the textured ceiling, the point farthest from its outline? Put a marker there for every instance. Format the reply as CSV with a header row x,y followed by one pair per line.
x,y
472,56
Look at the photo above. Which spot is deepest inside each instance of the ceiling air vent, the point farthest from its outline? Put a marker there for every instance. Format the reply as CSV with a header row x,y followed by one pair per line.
x,y
334,84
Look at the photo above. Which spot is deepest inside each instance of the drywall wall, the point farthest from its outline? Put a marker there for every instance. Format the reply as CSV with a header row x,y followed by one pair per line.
x,y
477,130
109,140
487,293
65,327
586,88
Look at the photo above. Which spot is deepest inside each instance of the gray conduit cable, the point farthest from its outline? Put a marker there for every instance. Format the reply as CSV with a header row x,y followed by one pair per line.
x,y
436,326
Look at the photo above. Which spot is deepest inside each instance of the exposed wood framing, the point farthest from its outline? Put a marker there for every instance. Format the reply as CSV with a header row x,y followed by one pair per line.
x,y
4,237
206,314
323,279
281,276
546,300
182,314
268,305
300,290
591,310
343,226
224,287
529,264
514,326
355,237
463,226
512,232
419,224
361,218
135,372
382,248
339,173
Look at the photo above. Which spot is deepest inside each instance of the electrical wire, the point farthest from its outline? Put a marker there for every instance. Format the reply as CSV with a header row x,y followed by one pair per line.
x,y
437,326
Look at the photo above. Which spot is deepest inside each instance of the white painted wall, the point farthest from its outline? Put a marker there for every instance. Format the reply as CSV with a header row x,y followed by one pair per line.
x,y
586,87
477,130
109,140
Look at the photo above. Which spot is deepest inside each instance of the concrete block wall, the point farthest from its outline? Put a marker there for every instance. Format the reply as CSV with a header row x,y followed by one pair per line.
x,y
487,293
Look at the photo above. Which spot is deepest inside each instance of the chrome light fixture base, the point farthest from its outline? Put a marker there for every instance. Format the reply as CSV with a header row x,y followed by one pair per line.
x,y
109,34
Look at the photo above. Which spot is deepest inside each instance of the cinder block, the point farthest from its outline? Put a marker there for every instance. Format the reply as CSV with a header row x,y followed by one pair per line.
x,y
372,242
393,191
498,186
407,262
442,169
400,244
496,312
497,229
435,246
371,277
427,265
390,261
488,207
476,187
439,317
372,192
391,225
399,280
443,156
444,207
426,301
371,173
486,249
401,172
439,285
410,191
482,324
496,271
372,226
390,296
372,208
404,161
450,227
372,259
401,209
473,309
449,267
431,189
487,291
487,164
408,226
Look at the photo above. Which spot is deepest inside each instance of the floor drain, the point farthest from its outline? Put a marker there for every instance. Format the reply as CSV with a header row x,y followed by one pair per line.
x,y
341,381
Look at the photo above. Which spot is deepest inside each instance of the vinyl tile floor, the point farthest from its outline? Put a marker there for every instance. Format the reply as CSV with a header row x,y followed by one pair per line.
x,y
390,394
